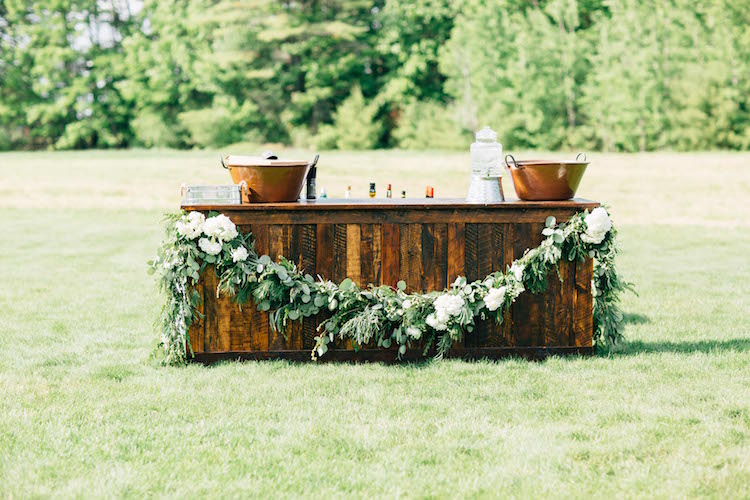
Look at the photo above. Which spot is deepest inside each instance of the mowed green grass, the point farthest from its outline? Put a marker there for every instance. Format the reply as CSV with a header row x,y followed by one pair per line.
x,y
85,413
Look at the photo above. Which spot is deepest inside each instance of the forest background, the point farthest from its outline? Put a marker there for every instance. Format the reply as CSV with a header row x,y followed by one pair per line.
x,y
619,75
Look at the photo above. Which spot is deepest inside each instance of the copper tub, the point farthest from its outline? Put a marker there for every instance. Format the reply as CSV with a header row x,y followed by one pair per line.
x,y
542,180
269,180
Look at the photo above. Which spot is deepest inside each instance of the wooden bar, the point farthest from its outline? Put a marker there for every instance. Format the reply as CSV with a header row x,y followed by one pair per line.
x,y
425,243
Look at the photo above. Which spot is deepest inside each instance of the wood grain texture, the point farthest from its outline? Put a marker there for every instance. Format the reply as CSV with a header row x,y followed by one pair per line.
x,y
339,253
583,320
426,245
309,259
365,255
456,256
427,262
440,271
390,254
197,329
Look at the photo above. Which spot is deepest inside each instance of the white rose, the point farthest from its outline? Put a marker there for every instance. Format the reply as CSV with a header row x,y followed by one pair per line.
x,y
495,298
517,271
239,254
209,246
414,332
407,304
598,225
220,227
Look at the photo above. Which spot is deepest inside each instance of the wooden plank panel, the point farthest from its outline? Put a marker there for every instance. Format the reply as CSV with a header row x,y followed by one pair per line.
x,y
583,320
440,280
339,253
259,327
308,259
456,256
471,251
197,330
390,254
276,245
403,255
479,336
522,307
325,250
275,241
414,273
292,250
536,309
496,332
377,254
427,262
353,257
509,236
564,304
367,274
331,252
211,342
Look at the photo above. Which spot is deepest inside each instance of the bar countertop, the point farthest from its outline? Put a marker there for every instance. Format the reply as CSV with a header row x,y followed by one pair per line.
x,y
395,204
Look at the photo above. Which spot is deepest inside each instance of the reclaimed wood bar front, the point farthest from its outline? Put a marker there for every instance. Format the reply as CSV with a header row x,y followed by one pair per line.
x,y
425,242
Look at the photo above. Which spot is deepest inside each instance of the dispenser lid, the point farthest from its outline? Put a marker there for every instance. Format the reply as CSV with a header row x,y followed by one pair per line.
x,y
487,134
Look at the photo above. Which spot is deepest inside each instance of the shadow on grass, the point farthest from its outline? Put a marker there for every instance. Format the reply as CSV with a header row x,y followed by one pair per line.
x,y
632,348
635,319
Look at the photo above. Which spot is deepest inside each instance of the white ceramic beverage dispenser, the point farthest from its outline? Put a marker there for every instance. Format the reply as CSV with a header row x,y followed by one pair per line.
x,y
486,168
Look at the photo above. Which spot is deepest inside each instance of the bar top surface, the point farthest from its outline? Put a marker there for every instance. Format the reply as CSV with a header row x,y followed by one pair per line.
x,y
395,204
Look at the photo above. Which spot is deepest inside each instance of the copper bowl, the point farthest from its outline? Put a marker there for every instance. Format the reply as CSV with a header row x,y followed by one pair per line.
x,y
541,180
268,180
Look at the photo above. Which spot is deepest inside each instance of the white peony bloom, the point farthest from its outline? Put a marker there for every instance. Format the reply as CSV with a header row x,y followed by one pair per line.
x,y
209,246
432,321
414,332
220,227
517,271
446,307
495,298
196,218
598,225
191,225
239,254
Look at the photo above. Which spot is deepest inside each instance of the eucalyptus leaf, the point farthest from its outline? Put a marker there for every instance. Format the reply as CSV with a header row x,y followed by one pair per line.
x,y
305,298
550,221
401,285
293,314
319,300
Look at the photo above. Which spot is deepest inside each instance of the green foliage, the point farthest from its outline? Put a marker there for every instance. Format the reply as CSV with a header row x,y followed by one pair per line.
x,y
354,125
429,125
376,314
615,75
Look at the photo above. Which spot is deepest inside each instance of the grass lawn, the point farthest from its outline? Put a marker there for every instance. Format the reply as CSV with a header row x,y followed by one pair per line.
x,y
85,413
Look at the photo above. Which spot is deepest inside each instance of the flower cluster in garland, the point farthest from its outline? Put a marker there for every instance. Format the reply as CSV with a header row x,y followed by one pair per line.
x,y
376,314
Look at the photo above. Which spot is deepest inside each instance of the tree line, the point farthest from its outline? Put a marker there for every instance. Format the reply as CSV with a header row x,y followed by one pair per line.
x,y
617,75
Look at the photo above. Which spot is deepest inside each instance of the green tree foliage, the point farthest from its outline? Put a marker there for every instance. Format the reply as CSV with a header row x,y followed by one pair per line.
x,y
624,75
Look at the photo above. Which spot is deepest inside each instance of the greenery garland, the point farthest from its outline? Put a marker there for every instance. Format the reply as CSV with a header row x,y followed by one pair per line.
x,y
380,314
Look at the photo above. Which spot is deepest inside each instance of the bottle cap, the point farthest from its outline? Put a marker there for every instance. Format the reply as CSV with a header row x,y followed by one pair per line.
x,y
430,192
372,185
389,187
348,188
